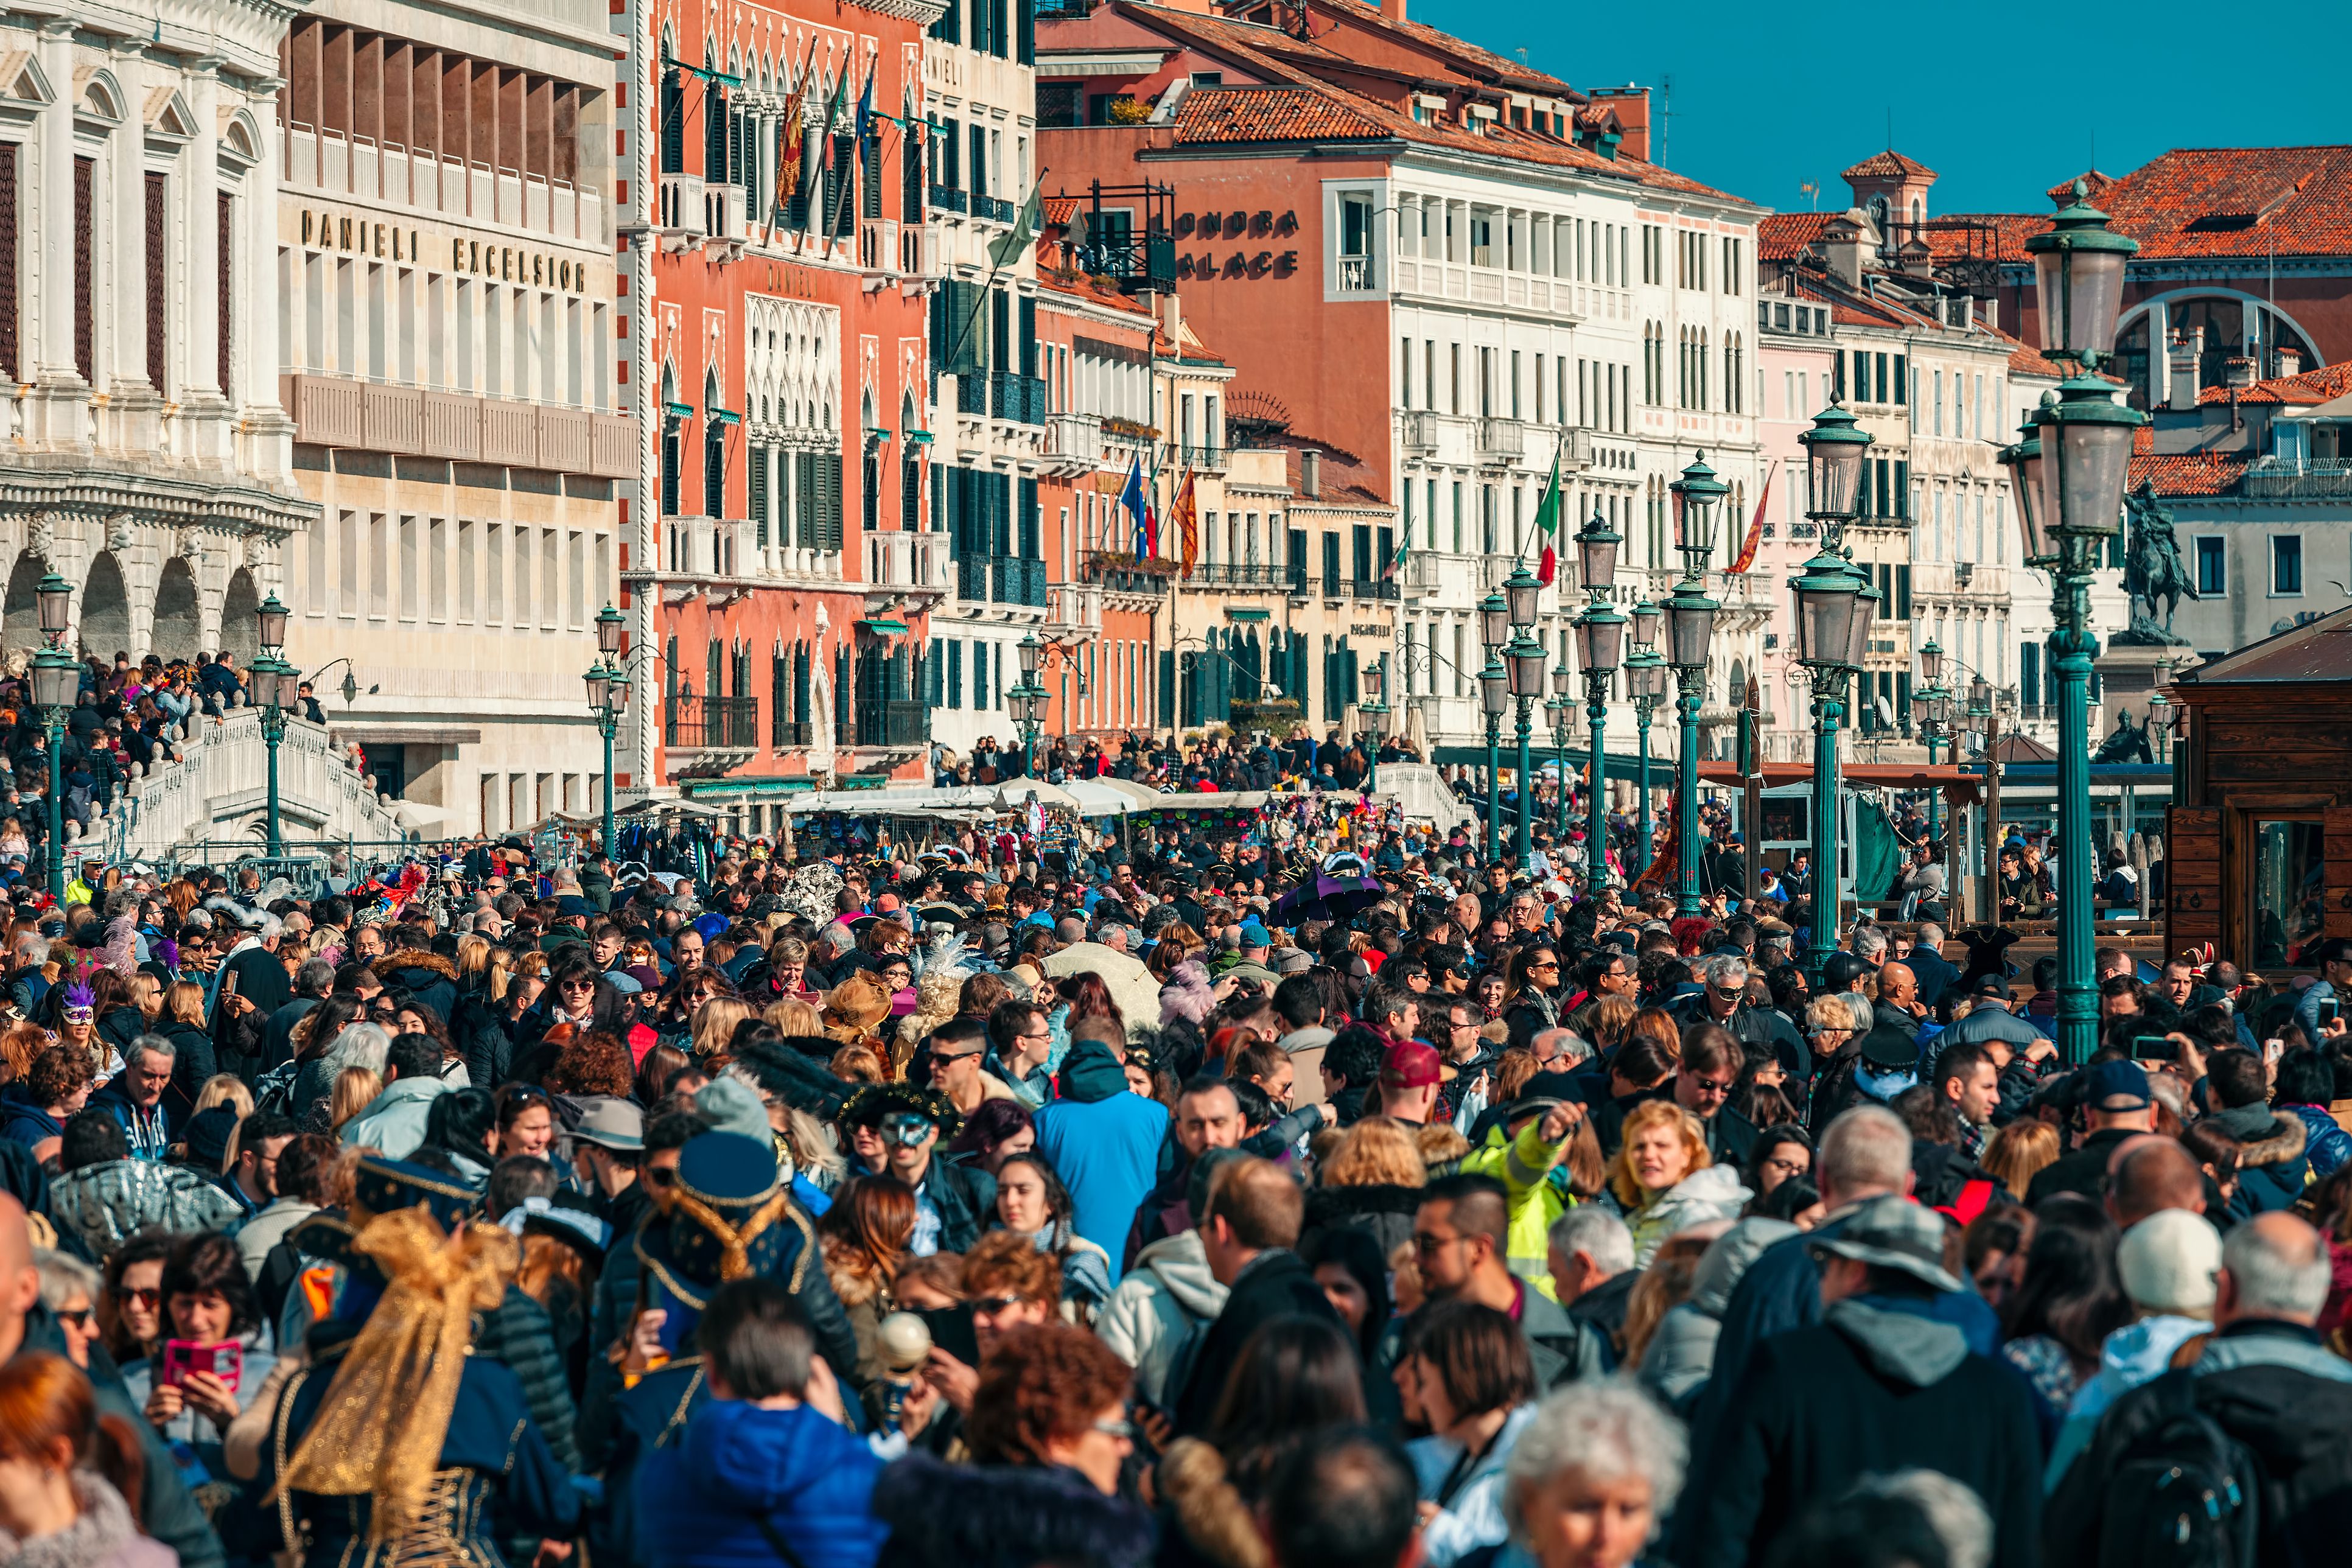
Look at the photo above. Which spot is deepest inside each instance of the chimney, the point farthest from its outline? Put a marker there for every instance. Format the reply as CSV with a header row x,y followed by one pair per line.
x,y
1842,244
1393,9
2290,361
1310,474
1632,104
1171,320
2186,353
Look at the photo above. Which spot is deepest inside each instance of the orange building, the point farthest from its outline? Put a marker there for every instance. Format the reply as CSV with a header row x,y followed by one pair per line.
x,y
775,311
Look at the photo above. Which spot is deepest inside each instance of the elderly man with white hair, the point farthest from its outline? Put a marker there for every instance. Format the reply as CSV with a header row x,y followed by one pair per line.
x,y
1722,998
2266,1380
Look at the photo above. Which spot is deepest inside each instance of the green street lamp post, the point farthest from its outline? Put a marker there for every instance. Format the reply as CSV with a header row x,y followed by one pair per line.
x,y
1525,658
1833,638
1600,644
1562,711
57,682
1646,683
1690,628
1027,702
1494,698
608,696
2068,491
1374,710
1931,707
278,686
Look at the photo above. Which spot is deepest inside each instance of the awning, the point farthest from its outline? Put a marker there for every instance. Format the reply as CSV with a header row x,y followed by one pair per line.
x,y
1244,613
368,734
881,627
1957,785
1617,764
739,788
1096,798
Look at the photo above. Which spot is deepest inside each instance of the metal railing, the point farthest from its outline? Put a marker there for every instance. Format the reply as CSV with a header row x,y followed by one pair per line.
x,y
1017,397
1016,580
1248,574
899,723
948,198
1204,459
971,392
707,723
994,209
1117,570
1373,588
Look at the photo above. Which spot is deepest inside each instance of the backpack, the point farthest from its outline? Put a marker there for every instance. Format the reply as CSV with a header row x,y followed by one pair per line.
x,y
2185,1494
273,1091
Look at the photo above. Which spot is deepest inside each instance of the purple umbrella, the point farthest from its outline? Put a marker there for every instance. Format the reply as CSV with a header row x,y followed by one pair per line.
x,y
1329,896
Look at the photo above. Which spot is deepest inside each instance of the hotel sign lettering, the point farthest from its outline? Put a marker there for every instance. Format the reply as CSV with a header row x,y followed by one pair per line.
x,y
363,236
1237,225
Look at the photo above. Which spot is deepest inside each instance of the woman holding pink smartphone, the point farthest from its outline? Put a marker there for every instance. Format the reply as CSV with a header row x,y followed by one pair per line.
x,y
212,1358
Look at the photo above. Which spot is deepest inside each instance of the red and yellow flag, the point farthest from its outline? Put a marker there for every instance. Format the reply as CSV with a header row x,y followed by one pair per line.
x,y
1756,524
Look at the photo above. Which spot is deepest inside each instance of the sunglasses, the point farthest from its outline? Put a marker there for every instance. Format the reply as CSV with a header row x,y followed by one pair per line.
x,y
994,1304
147,1295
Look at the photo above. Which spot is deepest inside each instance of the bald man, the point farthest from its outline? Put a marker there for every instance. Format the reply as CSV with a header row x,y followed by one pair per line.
x,y
167,1510
1899,988
2150,1174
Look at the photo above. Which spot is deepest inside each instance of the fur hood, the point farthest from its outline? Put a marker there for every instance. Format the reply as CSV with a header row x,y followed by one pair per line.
x,y
2282,1145
1003,1516
415,958
103,1536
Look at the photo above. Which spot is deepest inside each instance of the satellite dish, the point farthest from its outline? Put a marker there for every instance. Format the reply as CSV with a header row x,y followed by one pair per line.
x,y
1884,710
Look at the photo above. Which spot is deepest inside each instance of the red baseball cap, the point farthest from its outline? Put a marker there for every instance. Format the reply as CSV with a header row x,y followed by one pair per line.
x,y
1413,1065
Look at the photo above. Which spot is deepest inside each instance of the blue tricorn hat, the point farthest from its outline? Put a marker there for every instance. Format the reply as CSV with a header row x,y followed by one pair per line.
x,y
729,1216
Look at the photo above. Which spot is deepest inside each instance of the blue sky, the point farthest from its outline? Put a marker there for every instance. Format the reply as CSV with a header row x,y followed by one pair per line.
x,y
1764,98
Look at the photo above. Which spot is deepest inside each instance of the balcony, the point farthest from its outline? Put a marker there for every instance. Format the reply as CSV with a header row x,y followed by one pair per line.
x,y
409,421
1417,429
971,392
1494,571
1073,609
1262,576
1016,580
908,566
692,723
878,252
1373,588
919,251
1120,573
1139,263
1501,442
899,723
683,213
341,164
947,198
1204,459
2273,478
1355,274
1016,397
1423,574
1073,443
992,209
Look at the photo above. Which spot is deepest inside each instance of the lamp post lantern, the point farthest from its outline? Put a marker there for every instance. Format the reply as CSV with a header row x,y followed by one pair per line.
x,y
1526,659
608,698
57,682
1646,683
1562,711
1690,628
1026,702
1493,697
1833,638
1931,707
1601,642
1374,710
278,686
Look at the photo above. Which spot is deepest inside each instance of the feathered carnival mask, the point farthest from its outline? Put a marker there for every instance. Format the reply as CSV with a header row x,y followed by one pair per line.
x,y
79,1006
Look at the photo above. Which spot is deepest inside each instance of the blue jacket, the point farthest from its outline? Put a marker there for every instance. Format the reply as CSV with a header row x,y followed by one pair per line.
x,y
1107,1151
2328,1146
701,1501
143,1126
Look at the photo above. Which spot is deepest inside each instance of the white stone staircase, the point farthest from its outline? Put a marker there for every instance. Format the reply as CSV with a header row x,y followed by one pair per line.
x,y
218,792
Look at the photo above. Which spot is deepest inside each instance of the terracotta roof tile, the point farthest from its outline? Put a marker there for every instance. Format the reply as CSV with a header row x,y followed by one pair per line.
x,y
2309,390
1296,113
2188,473
1879,166
2246,202
1504,70
1782,237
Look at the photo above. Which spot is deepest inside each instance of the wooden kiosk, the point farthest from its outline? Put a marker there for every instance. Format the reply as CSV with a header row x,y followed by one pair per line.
x,y
2261,829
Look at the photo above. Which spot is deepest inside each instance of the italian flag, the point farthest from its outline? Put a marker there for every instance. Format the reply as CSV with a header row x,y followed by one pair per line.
x,y
1548,525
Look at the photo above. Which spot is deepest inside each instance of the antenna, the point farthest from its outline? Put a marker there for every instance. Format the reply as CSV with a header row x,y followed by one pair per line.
x,y
1666,113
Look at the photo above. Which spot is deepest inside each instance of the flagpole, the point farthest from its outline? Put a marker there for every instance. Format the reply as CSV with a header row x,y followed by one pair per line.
x,y
1036,196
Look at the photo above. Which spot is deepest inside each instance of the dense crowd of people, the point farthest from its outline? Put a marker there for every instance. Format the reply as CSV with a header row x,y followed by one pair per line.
x,y
1300,1193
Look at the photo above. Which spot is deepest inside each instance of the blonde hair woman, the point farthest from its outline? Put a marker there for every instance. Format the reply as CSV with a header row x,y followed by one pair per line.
x,y
714,1024
1663,1180
225,1088
2019,1152
1371,1179
473,959
355,1090
791,1016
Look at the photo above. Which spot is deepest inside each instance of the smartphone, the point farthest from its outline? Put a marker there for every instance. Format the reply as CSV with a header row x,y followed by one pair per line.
x,y
228,984
2329,1007
224,1362
2154,1048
